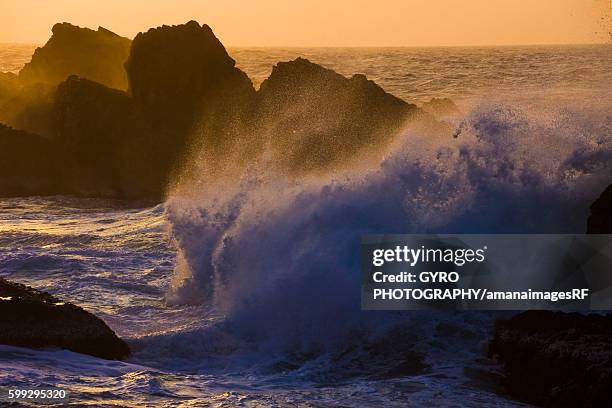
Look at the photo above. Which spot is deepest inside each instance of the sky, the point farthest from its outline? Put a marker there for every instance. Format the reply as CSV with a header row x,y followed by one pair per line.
x,y
327,22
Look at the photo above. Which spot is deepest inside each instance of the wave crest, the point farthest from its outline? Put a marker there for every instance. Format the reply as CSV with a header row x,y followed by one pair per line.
x,y
280,258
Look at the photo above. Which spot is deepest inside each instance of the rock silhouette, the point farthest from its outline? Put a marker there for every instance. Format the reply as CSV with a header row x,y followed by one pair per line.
x,y
28,164
600,218
35,319
100,143
26,100
71,50
317,118
194,100
187,106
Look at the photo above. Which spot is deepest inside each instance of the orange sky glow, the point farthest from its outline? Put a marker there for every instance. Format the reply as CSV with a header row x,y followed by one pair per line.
x,y
328,22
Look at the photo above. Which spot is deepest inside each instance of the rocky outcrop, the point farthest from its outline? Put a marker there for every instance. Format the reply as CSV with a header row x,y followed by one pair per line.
x,y
187,106
71,50
28,164
30,318
104,149
316,118
26,100
600,218
195,100
556,359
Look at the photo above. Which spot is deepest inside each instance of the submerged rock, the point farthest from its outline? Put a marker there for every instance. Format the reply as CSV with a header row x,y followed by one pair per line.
x,y
35,319
441,107
600,218
71,50
556,359
28,164
316,118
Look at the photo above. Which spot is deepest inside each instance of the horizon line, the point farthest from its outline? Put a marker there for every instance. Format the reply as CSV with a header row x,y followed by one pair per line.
x,y
374,46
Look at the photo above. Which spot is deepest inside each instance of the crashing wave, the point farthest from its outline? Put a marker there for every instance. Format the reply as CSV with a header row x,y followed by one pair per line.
x,y
279,257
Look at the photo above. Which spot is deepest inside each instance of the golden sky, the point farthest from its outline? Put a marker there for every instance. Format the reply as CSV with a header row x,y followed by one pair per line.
x,y
327,22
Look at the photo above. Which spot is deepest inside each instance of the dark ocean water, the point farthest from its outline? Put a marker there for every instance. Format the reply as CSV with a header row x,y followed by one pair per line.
x,y
280,323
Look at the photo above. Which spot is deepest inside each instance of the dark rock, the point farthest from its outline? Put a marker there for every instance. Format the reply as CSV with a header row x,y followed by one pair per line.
x,y
71,50
28,164
35,319
132,145
441,107
194,99
105,151
600,219
316,118
556,359
187,108
26,100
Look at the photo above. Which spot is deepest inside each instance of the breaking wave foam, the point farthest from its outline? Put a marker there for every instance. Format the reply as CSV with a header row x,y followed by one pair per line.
x,y
279,259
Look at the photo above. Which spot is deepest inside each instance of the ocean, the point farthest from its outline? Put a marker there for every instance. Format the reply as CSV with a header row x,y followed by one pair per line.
x,y
248,295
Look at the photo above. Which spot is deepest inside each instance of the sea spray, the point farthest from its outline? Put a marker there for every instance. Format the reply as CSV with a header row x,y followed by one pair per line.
x,y
279,258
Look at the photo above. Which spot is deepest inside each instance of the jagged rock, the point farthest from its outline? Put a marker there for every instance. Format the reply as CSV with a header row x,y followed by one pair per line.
x,y
317,118
35,319
195,99
104,149
28,164
188,106
26,100
132,145
71,50
441,107
600,219
556,359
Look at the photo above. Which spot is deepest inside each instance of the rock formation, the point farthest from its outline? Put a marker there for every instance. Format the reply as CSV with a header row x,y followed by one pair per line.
x,y
194,100
317,118
28,164
71,50
600,218
102,146
30,318
556,359
187,106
